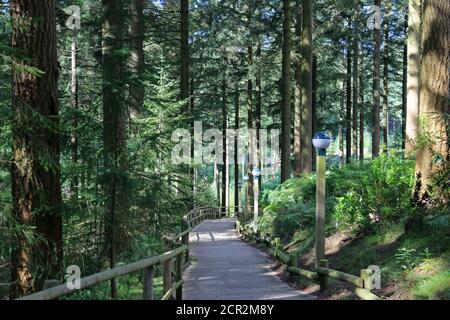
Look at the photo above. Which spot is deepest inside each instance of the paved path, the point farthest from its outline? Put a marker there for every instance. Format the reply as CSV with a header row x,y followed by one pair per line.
x,y
226,268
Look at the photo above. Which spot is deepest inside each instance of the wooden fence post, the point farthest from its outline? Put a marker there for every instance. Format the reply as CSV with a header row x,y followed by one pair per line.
x,y
179,276
185,238
277,243
293,260
167,271
323,280
365,275
148,284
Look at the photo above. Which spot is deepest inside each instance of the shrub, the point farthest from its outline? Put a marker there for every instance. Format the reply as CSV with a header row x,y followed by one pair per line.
x,y
289,207
378,191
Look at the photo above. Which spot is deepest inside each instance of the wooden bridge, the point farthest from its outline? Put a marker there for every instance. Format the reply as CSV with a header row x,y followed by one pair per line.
x,y
208,260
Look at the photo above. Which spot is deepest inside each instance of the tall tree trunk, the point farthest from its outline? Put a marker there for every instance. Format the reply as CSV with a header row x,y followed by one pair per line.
x,y
184,45
298,95
386,76
386,86
136,62
250,195
74,106
216,182
434,93
314,108
184,79
307,46
342,125
224,139
376,91
114,131
35,167
356,100
361,116
404,85
236,154
413,78
258,106
285,95
348,117
341,141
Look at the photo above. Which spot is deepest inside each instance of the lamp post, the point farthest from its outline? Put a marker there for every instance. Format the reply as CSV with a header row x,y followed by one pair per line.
x,y
321,142
256,172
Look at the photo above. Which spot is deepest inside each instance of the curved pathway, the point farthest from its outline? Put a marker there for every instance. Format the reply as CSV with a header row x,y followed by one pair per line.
x,y
226,268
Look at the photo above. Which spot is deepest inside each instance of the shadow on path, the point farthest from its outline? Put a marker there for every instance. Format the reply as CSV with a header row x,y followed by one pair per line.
x,y
230,269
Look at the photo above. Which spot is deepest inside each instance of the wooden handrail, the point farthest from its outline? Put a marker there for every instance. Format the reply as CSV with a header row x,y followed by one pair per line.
x,y
92,280
339,275
177,245
363,286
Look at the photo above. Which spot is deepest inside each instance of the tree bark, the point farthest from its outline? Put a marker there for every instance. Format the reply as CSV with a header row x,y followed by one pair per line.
x,y
224,139
404,85
114,131
236,154
184,38
250,195
361,115
348,101
74,106
258,106
285,95
376,91
35,167
298,96
314,108
306,126
413,77
386,87
136,62
355,98
434,93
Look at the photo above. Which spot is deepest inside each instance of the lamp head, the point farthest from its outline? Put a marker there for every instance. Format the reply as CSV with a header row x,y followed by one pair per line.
x,y
321,140
256,172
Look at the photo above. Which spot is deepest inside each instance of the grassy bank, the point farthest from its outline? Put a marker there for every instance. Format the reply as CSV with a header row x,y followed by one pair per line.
x,y
370,220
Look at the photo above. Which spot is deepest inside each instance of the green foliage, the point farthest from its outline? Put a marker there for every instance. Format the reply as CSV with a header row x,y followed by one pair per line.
x,y
440,221
434,288
440,184
407,258
289,207
377,191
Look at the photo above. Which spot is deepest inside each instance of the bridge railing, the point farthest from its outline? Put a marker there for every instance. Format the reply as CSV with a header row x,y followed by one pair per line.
x,y
146,265
321,274
172,262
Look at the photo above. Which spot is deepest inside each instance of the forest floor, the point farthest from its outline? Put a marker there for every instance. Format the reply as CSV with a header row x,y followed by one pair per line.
x,y
413,265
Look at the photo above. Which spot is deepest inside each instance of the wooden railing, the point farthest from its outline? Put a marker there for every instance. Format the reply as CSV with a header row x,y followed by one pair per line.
x,y
197,215
146,265
172,261
321,274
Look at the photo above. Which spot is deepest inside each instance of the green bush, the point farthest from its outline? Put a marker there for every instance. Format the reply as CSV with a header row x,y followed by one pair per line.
x,y
377,191
289,207
357,196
